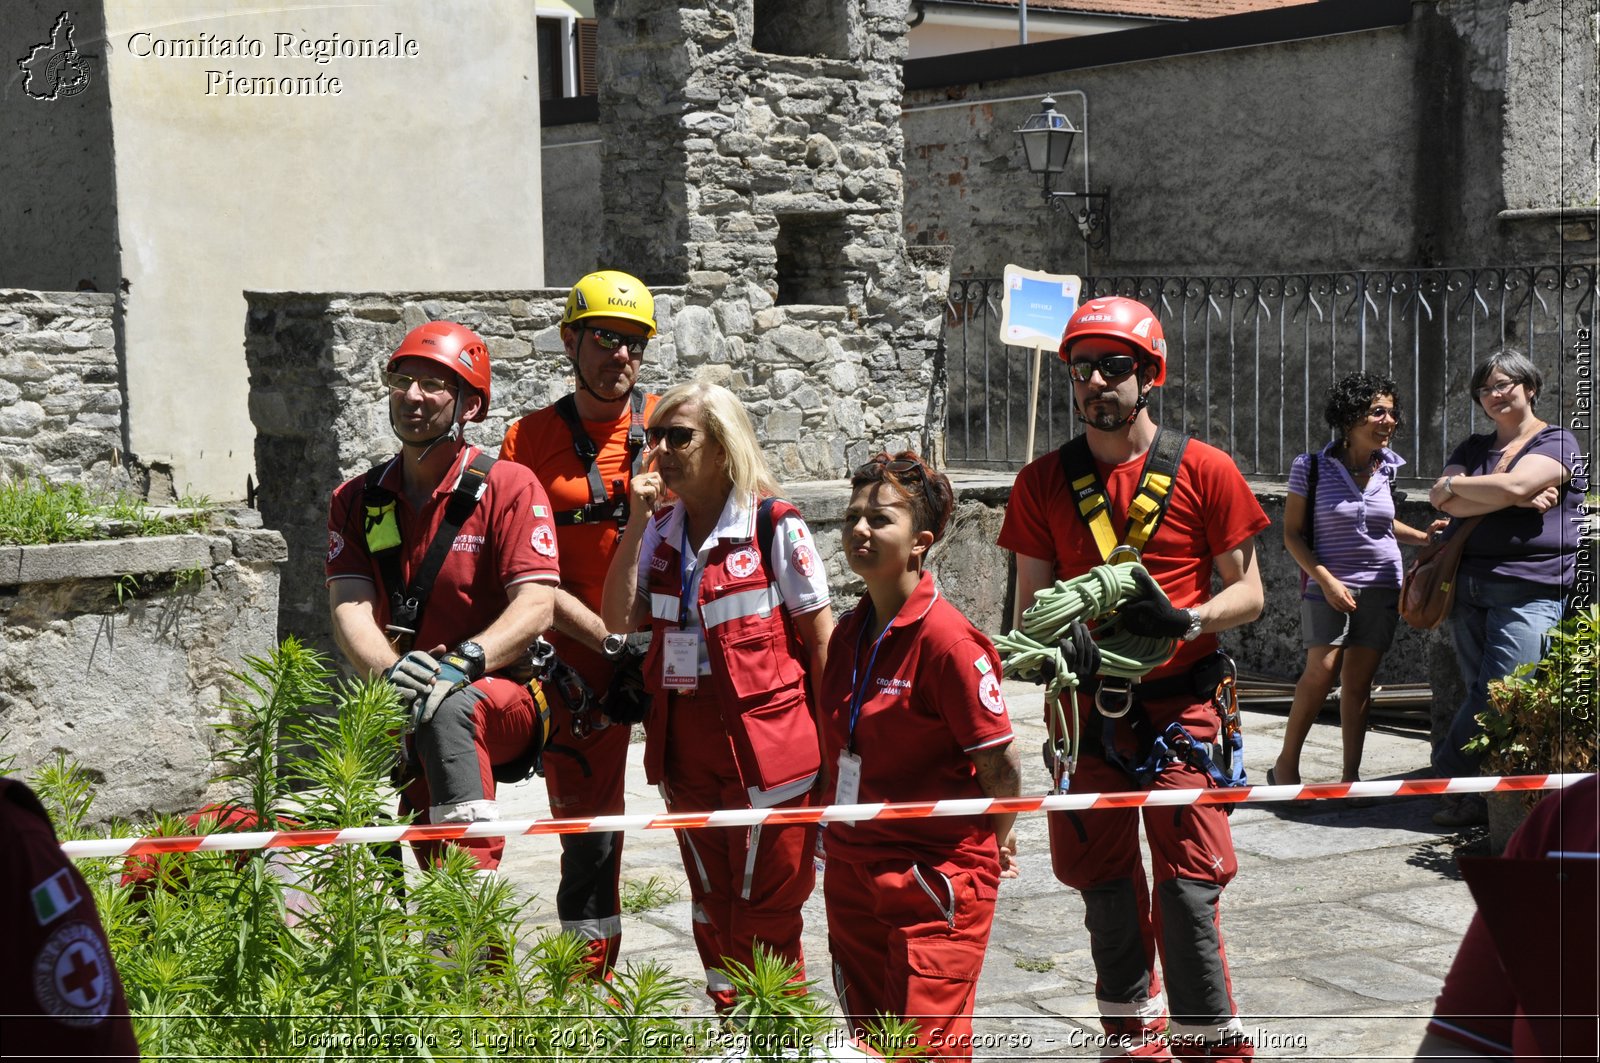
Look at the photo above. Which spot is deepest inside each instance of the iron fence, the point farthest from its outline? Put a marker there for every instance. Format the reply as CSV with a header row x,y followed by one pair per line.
x,y
1251,359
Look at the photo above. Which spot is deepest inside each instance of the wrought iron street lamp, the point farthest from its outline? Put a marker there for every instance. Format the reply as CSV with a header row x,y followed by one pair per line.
x,y
1047,142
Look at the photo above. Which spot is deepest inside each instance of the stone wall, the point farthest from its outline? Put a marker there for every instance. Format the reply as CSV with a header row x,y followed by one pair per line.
x,y
752,154
116,655
1462,137
60,387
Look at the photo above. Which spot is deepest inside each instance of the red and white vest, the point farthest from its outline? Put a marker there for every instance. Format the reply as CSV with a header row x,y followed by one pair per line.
x,y
758,666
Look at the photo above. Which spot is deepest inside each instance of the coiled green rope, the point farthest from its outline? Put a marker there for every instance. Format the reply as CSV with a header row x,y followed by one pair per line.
x,y
1096,594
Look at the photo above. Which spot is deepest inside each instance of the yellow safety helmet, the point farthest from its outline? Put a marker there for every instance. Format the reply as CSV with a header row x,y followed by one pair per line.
x,y
611,293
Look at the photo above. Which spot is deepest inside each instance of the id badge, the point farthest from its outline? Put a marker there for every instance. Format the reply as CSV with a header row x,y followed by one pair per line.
x,y
848,791
680,660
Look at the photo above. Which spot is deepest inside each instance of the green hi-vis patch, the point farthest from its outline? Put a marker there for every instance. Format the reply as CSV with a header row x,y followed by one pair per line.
x,y
382,528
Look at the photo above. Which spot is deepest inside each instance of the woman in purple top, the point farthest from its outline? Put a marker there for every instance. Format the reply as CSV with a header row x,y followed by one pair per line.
x,y
1340,529
1521,558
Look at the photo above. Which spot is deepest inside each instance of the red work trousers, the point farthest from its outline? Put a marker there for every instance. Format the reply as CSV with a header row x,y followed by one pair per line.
x,y
908,939
1191,854
489,723
747,884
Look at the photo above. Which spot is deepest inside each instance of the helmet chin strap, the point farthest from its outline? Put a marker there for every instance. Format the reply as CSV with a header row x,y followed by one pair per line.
x,y
1126,422
577,371
454,429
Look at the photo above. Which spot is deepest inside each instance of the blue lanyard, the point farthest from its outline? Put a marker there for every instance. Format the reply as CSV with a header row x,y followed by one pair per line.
x,y
858,689
683,575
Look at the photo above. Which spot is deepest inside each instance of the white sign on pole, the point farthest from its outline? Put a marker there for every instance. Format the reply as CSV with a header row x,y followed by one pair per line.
x,y
1036,307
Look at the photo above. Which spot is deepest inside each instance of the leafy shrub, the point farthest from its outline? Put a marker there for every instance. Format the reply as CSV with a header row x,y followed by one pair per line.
x,y
342,951
1542,717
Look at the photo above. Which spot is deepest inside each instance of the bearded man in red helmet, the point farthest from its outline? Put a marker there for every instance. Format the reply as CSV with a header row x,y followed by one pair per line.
x,y
1192,515
442,566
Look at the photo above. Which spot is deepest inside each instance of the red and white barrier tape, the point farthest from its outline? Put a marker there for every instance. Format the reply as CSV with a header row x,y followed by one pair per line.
x,y
747,817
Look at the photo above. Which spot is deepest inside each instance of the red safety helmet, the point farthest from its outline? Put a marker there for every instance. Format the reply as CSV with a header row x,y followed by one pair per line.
x,y
1118,318
456,348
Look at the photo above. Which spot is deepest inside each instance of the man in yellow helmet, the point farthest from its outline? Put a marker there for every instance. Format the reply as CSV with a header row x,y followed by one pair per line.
x,y
585,448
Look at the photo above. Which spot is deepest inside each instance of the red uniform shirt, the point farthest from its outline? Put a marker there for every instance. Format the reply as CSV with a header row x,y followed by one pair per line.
x,y
1479,1006
1211,511
508,538
63,996
542,442
932,697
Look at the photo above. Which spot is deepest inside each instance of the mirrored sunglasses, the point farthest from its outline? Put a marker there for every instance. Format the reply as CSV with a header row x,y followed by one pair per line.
x,y
1111,367
610,341
429,385
676,435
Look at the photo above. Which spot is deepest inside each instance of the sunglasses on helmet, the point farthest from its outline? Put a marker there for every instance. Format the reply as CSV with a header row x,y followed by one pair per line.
x,y
610,341
429,385
676,435
904,469
1111,367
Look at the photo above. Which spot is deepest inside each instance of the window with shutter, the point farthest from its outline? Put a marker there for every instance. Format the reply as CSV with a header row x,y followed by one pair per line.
x,y
588,77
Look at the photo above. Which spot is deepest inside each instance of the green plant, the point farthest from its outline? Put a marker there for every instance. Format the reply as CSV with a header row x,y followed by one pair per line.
x,y
34,512
344,951
1542,717
654,892
1036,964
894,1037
774,1015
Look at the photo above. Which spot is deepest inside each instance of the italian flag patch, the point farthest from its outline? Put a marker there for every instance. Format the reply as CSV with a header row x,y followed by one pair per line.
x,y
55,896
982,665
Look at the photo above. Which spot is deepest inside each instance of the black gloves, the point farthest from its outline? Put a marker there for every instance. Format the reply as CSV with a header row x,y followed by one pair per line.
x,y
1151,614
1079,652
626,700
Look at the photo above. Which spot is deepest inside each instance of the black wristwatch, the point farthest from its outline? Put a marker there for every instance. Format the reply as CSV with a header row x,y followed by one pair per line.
x,y
472,654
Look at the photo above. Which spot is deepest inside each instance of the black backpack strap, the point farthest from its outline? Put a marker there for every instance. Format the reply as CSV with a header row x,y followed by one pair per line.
x,y
1309,532
380,527
636,434
405,607
567,410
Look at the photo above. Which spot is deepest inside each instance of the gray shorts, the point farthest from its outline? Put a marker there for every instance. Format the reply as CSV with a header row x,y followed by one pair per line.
x,y
1372,624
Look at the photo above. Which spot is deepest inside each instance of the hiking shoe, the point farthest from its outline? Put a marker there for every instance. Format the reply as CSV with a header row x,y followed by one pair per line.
x,y
1462,810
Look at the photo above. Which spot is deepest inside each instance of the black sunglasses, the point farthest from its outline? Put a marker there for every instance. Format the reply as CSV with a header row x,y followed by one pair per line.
x,y
610,341
676,435
902,468
1111,367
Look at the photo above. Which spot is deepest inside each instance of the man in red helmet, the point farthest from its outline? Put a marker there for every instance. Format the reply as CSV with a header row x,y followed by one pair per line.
x,y
442,566
585,448
1192,515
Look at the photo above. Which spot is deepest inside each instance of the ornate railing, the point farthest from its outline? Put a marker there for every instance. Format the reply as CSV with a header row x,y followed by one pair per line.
x,y
1251,359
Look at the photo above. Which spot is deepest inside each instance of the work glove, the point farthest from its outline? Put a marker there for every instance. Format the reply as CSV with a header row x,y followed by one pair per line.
x,y
412,676
1150,614
455,672
1080,654
626,700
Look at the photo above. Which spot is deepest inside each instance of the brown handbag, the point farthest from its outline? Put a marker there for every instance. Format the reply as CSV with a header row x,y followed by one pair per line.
x,y
1428,591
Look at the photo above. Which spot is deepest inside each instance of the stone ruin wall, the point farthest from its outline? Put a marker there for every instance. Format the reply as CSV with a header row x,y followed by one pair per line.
x,y
60,387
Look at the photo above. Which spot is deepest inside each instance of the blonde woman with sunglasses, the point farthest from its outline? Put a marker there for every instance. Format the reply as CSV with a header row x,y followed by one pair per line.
x,y
740,619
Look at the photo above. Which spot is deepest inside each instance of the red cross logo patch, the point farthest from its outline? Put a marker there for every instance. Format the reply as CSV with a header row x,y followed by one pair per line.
x,y
72,976
743,562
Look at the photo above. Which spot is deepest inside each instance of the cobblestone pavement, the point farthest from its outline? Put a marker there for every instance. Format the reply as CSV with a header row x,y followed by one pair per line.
x,y
1339,927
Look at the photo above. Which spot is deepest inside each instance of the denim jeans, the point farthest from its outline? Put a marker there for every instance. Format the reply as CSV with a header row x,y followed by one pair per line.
x,y
1495,626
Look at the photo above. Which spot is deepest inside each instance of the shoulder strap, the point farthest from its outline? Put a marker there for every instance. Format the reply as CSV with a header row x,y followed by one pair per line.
x,y
582,445
405,607
765,526
1149,503
1309,531
636,432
